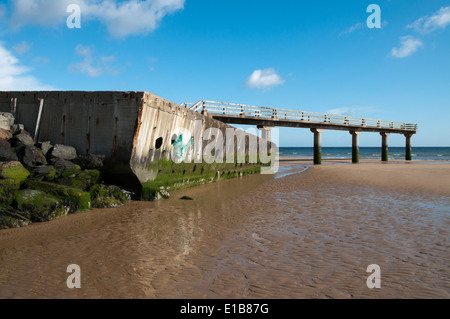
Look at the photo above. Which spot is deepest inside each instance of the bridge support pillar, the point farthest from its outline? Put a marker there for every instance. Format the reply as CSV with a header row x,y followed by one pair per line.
x,y
265,131
265,134
317,145
384,147
408,150
355,146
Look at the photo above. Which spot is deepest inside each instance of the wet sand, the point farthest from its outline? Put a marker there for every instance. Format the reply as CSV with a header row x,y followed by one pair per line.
x,y
305,235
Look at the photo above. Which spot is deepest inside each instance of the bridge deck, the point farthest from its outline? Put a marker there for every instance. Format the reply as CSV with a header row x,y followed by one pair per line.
x,y
263,116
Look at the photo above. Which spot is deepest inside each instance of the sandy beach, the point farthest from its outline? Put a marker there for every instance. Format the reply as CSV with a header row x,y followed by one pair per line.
x,y
304,235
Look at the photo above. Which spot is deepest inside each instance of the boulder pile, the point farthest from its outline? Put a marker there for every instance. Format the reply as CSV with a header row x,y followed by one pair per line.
x,y
40,181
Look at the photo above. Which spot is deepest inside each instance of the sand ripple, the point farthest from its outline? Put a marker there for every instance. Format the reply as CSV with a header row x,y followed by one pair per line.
x,y
301,236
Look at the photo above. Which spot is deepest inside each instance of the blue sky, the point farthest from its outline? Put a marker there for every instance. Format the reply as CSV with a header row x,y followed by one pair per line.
x,y
315,56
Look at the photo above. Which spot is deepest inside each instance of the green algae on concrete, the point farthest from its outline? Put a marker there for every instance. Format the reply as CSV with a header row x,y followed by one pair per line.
x,y
40,206
173,176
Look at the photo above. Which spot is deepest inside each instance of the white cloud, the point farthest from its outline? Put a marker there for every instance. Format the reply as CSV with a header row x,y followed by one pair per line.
x,y
22,47
408,46
90,65
439,20
15,77
264,79
122,18
351,29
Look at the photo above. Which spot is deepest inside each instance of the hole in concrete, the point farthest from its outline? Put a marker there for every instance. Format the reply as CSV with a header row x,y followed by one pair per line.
x,y
158,143
174,138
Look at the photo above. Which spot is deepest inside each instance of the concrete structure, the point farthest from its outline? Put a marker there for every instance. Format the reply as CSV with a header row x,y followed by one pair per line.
x,y
317,122
355,146
317,145
133,130
384,146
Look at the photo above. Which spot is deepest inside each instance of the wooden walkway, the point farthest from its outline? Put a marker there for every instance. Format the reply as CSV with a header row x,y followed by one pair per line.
x,y
267,118
264,116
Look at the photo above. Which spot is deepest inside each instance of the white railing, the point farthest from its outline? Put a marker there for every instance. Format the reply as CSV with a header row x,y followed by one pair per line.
x,y
221,108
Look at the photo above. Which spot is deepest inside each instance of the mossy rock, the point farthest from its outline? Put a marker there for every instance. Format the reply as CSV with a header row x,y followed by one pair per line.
x,y
95,175
85,179
104,196
74,198
40,206
14,171
45,172
7,189
71,172
11,218
152,192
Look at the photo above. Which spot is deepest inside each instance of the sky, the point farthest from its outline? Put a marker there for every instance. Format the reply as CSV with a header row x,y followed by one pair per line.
x,y
318,56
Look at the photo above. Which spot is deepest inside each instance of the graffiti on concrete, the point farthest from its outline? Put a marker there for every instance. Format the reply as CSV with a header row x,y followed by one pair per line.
x,y
180,150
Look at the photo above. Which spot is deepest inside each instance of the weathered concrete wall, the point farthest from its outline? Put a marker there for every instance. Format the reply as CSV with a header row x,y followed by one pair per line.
x,y
132,129
92,122
166,121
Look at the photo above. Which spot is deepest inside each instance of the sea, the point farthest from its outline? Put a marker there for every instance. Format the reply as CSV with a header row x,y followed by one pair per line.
x,y
418,153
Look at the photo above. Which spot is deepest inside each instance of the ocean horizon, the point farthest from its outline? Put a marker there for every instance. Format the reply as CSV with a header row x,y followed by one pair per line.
x,y
418,153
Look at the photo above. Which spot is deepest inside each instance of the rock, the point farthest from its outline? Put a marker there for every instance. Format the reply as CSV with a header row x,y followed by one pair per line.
x,y
9,117
45,148
31,156
47,172
4,123
130,195
64,152
17,129
11,218
85,179
104,196
5,135
14,171
64,167
22,139
7,189
73,198
89,161
40,206
6,152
